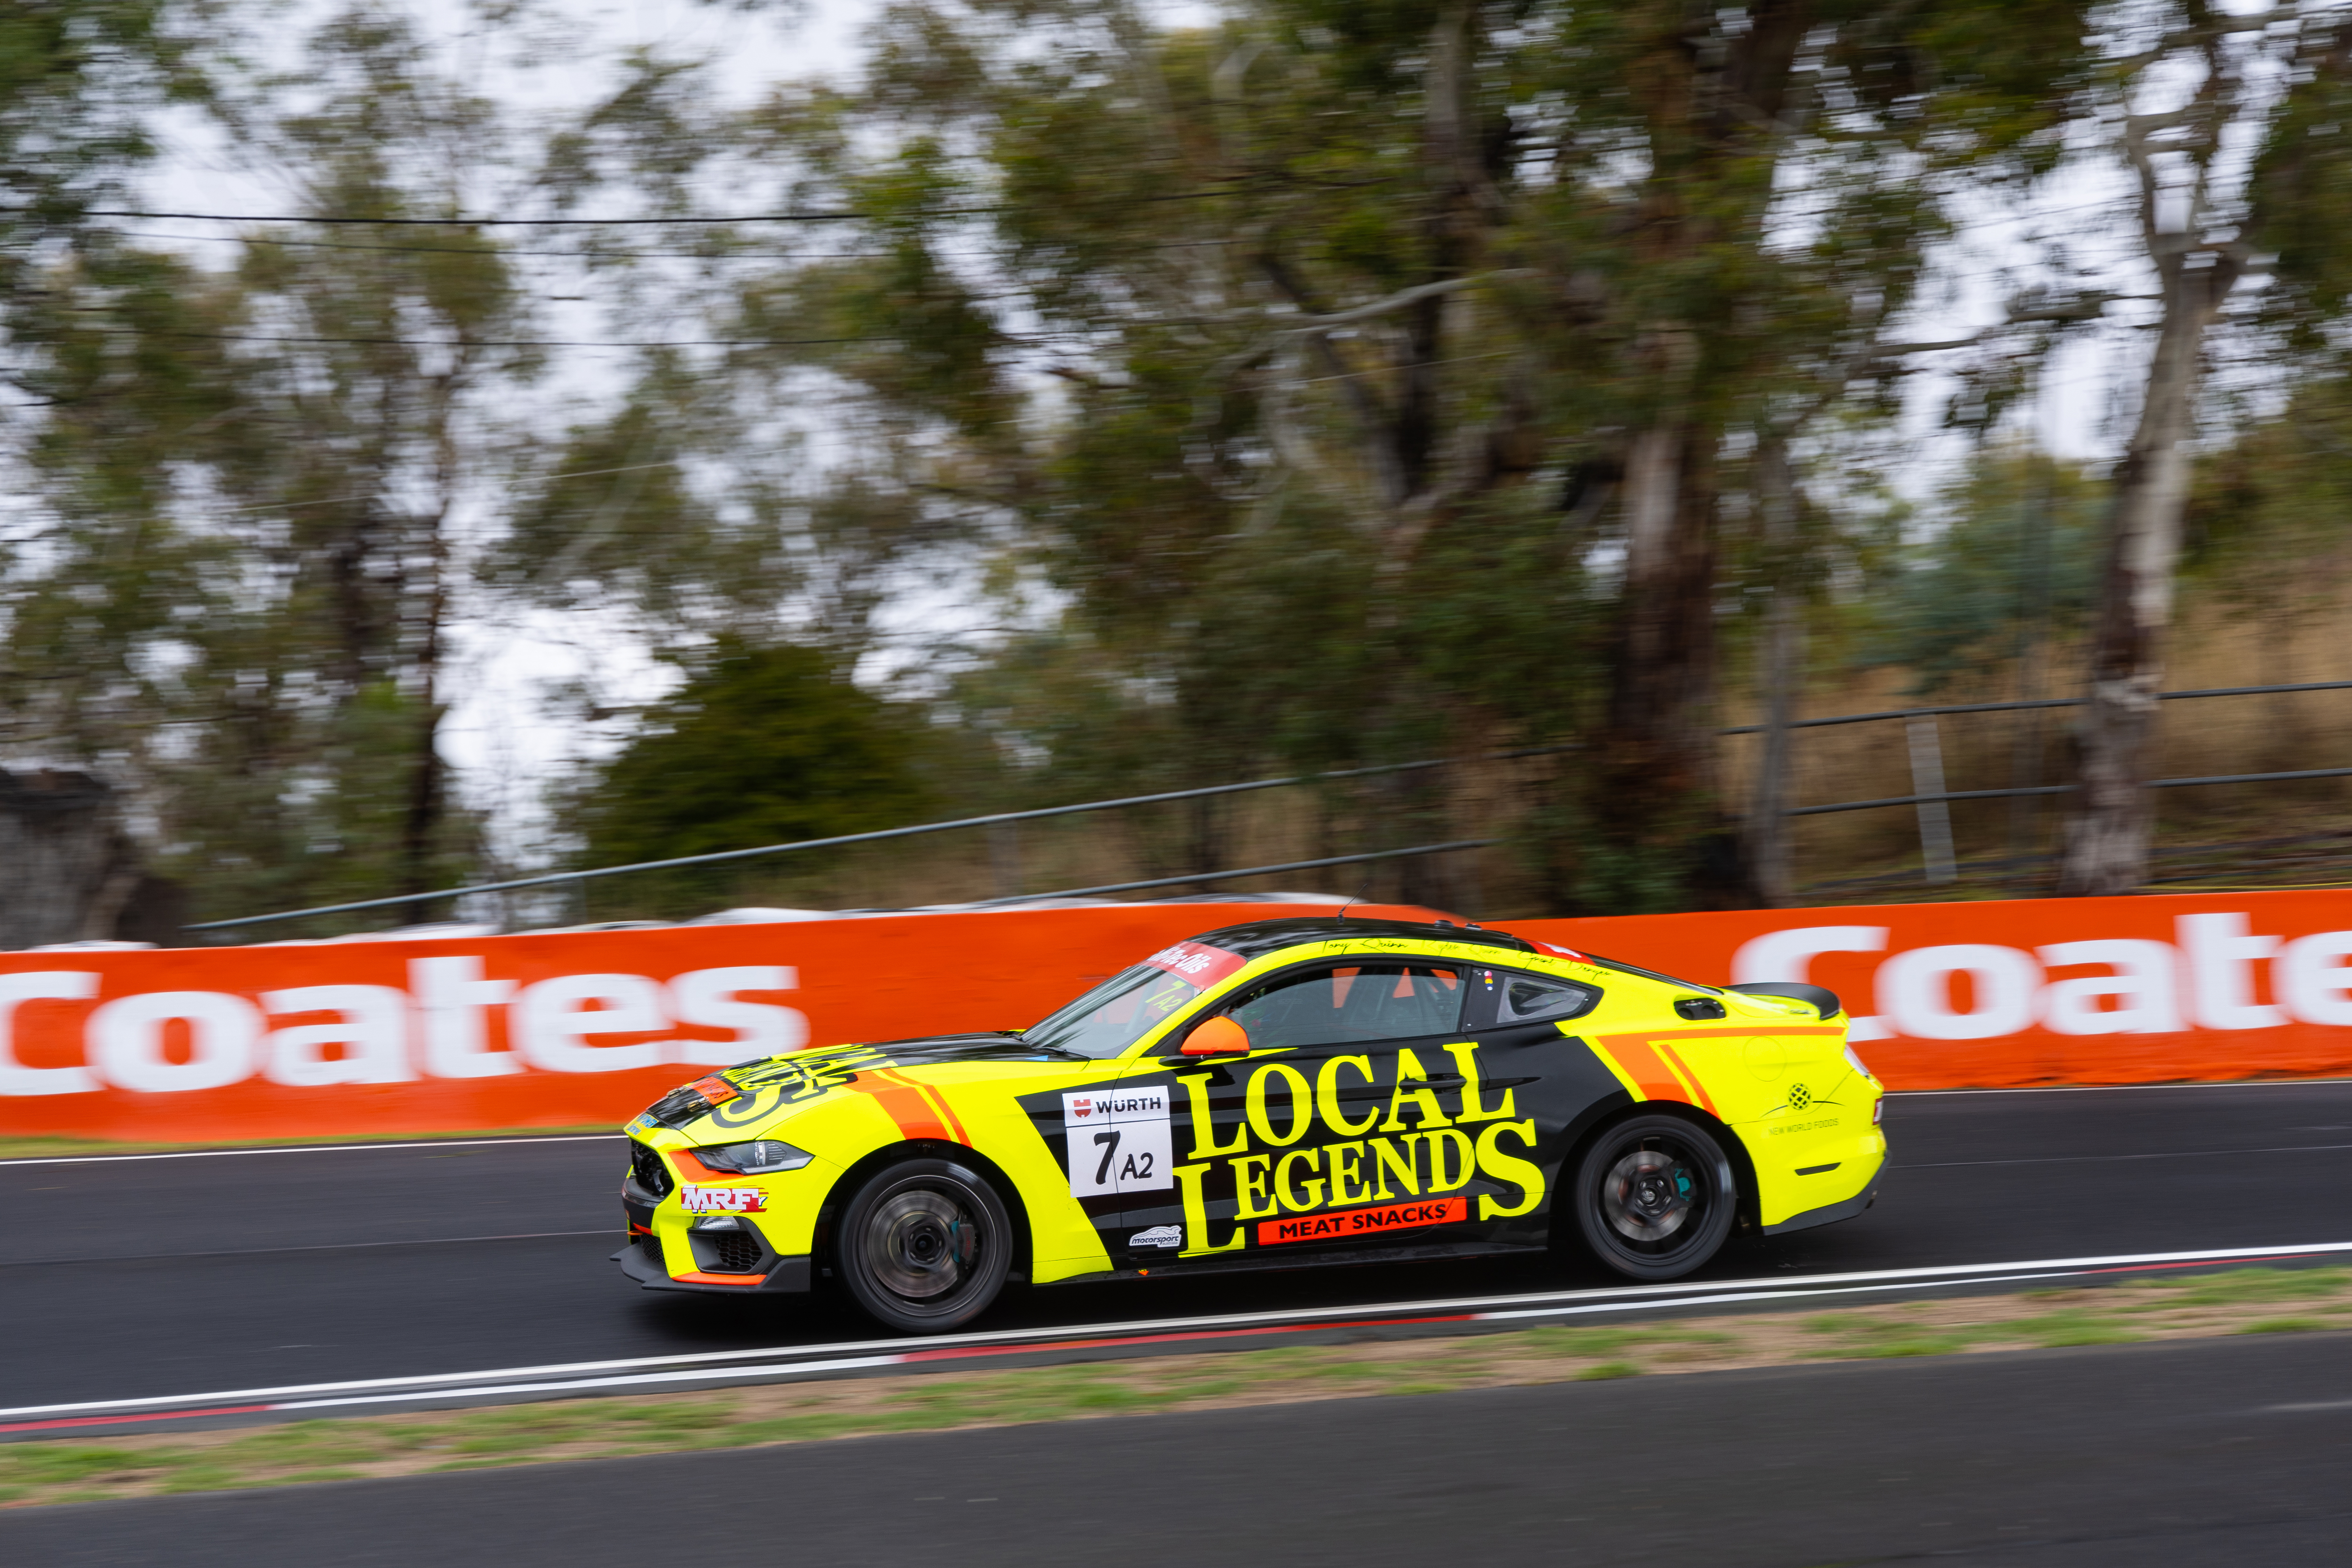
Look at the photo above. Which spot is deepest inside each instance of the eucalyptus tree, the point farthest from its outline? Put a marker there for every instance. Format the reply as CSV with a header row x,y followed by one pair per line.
x,y
2188,85
256,479
1336,302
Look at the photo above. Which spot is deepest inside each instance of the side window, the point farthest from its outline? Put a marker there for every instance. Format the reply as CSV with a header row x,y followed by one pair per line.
x,y
1529,998
1340,1006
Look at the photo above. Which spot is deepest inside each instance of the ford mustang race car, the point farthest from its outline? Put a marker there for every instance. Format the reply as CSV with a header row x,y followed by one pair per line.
x,y
1291,1092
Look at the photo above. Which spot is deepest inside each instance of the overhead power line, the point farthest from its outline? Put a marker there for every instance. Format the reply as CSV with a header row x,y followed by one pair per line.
x,y
708,255
535,343
808,214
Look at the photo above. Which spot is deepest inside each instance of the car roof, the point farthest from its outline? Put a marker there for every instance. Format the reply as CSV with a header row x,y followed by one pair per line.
x,y
1258,938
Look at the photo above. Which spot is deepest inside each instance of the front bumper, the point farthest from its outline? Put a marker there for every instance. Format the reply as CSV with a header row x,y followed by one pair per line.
x,y
707,1266
784,1277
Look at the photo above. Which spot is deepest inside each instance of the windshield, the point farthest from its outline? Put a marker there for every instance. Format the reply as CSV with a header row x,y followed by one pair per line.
x,y
1115,1014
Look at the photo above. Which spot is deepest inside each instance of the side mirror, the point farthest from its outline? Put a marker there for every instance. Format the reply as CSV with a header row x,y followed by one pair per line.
x,y
1219,1037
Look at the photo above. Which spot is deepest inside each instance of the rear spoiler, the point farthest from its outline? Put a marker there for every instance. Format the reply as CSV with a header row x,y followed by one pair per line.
x,y
1825,1001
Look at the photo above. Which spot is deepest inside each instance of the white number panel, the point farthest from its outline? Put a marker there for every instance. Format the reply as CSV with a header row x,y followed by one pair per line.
x,y
1118,1140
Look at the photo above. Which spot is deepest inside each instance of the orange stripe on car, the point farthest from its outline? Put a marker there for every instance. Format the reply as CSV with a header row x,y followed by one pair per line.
x,y
1650,1068
918,1112
1690,1079
1638,1061
736,1280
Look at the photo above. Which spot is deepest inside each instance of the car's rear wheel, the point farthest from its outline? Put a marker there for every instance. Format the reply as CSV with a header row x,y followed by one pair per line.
x,y
925,1245
1655,1196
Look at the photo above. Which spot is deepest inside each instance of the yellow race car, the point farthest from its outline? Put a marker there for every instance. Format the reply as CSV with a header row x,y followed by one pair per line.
x,y
1292,1091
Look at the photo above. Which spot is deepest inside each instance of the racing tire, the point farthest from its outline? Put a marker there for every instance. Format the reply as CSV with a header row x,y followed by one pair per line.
x,y
1655,1197
925,1246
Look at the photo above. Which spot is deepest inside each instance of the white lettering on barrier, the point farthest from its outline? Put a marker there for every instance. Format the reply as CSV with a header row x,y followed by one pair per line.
x,y
2145,985
451,996
1915,991
2311,979
2220,986
49,985
552,1021
706,998
371,1030
126,1040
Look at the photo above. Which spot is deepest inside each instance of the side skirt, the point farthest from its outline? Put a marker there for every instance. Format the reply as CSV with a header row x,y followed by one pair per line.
x,y
1269,1260
1829,1214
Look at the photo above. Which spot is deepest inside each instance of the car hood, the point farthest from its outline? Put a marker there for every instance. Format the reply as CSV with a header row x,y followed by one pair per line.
x,y
797,1079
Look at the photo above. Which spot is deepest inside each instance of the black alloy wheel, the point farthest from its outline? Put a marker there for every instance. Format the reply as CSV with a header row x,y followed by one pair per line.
x,y
1655,1197
926,1246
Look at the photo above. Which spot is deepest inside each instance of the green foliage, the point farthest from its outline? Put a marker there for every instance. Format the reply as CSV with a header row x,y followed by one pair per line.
x,y
2010,556
2265,519
1075,345
765,746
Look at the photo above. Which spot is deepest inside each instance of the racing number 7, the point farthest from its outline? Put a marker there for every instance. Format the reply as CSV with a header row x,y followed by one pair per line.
x,y
1107,1142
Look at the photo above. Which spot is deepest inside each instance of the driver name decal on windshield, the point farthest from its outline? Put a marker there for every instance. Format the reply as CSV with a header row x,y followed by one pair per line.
x,y
1203,965
1118,1140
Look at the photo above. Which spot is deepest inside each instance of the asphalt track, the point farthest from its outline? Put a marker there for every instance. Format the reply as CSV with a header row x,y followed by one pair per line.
x,y
2188,1454
129,1278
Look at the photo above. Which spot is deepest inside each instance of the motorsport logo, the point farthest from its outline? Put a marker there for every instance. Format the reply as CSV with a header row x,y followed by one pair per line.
x,y
1345,1223
1158,1235
722,1200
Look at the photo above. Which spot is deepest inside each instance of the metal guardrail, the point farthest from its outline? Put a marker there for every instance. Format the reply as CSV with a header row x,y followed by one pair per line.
x,y
720,857
2037,702
1242,871
2012,794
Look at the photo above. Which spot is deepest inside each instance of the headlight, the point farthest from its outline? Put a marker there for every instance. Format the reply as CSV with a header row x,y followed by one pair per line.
x,y
1854,1062
760,1157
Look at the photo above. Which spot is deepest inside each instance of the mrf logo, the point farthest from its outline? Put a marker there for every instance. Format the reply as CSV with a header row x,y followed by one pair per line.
x,y
722,1200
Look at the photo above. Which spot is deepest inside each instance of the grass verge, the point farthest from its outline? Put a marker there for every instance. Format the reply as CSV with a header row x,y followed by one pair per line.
x,y
2246,1300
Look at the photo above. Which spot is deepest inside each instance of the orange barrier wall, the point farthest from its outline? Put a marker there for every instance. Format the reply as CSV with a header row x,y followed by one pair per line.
x,y
2041,991
330,1039
334,1040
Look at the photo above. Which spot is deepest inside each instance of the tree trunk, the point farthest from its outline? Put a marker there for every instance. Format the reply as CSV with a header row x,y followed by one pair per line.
x,y
2106,844
1658,758
71,869
1770,855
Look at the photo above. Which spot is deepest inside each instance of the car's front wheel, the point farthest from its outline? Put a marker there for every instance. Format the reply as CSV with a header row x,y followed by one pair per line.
x,y
1655,1197
925,1245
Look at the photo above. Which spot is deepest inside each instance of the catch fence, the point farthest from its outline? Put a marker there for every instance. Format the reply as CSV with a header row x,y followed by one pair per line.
x,y
1928,797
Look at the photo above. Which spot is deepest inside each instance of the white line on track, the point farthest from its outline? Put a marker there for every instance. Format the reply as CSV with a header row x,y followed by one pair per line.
x,y
2109,1159
319,1149
279,1251
894,1351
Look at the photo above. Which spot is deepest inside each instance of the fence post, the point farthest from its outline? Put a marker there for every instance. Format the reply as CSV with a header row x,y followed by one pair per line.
x,y
1004,857
1935,815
